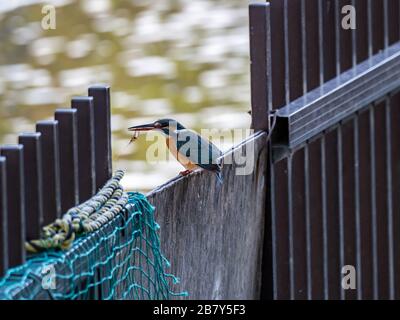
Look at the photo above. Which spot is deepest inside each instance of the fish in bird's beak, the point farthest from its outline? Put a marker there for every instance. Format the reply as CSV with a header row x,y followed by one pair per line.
x,y
143,127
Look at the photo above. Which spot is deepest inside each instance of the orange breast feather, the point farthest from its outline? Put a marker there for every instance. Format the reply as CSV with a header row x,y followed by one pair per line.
x,y
183,160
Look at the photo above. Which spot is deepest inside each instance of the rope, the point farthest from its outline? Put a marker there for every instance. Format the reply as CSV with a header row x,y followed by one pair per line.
x,y
85,218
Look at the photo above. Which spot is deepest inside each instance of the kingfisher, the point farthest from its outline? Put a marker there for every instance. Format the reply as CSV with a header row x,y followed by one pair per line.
x,y
187,146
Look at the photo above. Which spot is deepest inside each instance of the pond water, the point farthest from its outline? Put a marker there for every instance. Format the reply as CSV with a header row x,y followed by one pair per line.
x,y
187,60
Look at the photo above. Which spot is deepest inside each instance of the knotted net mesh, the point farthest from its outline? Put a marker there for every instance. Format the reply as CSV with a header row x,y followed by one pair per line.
x,y
120,260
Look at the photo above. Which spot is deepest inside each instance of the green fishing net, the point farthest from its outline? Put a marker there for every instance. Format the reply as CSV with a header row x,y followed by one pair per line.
x,y
120,260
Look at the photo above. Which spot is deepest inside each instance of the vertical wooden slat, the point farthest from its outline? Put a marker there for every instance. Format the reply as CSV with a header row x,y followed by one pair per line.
x,y
345,39
15,203
389,198
298,214
329,39
3,218
357,206
311,42
294,48
378,36
340,199
365,181
290,226
354,39
375,277
260,56
260,65
395,133
86,145
286,50
307,211
33,183
316,220
278,54
325,222
349,201
281,226
269,262
381,201
332,210
386,23
303,24
362,38
370,27
393,9
68,129
51,170
102,132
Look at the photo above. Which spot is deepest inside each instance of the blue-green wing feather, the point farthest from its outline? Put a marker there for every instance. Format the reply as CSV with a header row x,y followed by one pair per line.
x,y
198,150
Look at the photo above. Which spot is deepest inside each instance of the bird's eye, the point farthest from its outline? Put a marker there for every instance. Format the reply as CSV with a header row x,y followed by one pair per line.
x,y
157,125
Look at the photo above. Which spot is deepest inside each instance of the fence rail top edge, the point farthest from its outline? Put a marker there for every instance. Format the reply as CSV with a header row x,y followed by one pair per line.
x,y
337,99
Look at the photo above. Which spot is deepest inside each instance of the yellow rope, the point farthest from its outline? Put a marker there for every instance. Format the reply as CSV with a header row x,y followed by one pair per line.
x,y
85,218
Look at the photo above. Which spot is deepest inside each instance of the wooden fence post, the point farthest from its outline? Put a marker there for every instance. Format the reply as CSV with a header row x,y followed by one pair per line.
x,y
33,183
260,65
51,170
102,132
15,203
261,103
69,174
86,147
3,218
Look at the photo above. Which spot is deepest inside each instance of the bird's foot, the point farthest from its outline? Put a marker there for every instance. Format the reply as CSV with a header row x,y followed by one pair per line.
x,y
185,173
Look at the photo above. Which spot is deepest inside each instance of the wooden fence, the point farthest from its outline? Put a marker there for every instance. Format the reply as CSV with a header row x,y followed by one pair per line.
x,y
325,189
51,170
334,167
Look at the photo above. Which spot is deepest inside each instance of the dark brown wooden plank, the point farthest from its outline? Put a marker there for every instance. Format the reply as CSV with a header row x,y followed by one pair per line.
x,y
69,175
395,132
364,148
15,203
349,201
3,218
278,54
377,26
102,132
329,39
345,40
33,183
312,43
268,261
389,198
295,49
86,147
333,245
298,212
362,38
51,170
393,12
316,220
259,64
281,226
381,201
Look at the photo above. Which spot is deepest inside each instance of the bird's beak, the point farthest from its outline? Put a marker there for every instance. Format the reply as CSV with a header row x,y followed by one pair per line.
x,y
142,127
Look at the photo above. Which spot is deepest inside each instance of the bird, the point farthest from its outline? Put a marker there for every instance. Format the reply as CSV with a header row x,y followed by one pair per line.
x,y
187,146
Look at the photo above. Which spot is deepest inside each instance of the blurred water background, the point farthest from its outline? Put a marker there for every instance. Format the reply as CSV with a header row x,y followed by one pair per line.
x,y
180,59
